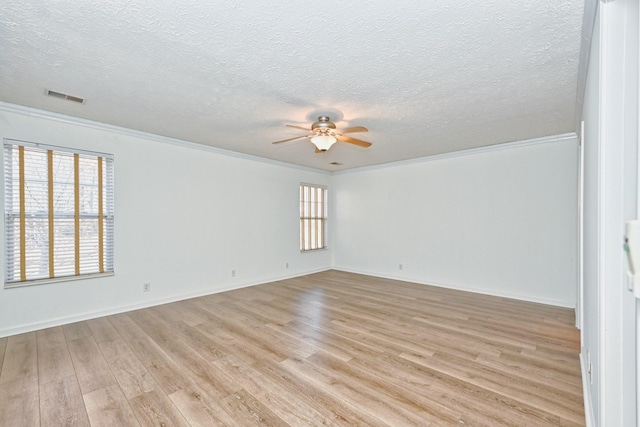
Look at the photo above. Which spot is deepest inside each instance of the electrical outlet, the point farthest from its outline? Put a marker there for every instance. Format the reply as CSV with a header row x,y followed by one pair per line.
x,y
400,267
233,273
146,287
286,264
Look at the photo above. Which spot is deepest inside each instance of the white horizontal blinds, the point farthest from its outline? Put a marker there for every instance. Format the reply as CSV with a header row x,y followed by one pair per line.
x,y
303,239
54,213
107,211
89,259
11,222
313,216
33,210
76,213
51,210
100,217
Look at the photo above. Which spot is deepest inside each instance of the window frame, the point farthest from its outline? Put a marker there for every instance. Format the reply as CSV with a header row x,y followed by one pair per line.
x,y
316,215
104,215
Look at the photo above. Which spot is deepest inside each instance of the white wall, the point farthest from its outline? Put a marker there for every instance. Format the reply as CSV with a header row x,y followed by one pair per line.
x,y
591,289
610,115
502,221
185,218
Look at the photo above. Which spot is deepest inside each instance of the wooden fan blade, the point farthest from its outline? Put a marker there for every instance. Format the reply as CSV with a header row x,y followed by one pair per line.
x,y
298,127
355,129
319,150
354,141
291,139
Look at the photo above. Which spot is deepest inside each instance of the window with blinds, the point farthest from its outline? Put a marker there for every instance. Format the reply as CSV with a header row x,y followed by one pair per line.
x,y
58,213
313,217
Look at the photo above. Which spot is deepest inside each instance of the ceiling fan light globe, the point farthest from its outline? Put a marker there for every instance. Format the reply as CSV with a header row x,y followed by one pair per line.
x,y
323,142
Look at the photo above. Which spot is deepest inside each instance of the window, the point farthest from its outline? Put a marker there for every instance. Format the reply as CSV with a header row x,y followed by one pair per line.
x,y
58,213
313,217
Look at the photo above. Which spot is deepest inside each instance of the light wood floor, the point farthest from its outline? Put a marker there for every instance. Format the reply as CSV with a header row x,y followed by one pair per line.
x,y
332,348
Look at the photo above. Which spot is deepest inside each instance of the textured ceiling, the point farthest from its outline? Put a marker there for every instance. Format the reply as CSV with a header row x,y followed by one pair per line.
x,y
426,77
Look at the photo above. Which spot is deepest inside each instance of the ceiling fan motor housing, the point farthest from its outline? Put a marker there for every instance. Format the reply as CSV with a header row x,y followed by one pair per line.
x,y
323,126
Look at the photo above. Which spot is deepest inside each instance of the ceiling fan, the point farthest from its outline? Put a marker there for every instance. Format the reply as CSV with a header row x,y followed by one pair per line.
x,y
324,135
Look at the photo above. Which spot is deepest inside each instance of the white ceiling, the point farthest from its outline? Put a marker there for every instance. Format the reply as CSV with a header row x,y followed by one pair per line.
x,y
426,77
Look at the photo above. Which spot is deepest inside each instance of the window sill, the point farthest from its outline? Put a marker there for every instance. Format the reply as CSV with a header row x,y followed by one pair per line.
x,y
326,248
37,282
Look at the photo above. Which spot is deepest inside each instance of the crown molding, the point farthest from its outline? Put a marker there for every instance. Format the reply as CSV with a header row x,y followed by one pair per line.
x,y
468,152
91,124
63,118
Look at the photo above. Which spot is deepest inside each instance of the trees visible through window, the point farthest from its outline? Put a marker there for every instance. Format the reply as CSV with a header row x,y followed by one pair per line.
x,y
313,217
58,213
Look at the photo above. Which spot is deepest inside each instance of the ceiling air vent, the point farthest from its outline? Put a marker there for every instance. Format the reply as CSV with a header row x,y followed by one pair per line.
x,y
64,96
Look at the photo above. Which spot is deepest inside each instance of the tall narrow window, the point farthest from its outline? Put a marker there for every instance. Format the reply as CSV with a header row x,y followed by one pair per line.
x,y
58,213
313,217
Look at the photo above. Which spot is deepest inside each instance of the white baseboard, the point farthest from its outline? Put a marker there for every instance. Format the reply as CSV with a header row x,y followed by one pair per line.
x,y
586,392
50,323
527,298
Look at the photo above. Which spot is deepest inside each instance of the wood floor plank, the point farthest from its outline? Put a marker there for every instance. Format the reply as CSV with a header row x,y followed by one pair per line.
x,y
167,373
198,368
352,393
457,397
154,408
54,360
320,339
332,339
393,393
102,330
132,376
553,402
74,331
479,406
207,339
532,373
61,403
109,407
50,338
293,347
54,364
92,370
187,317
3,346
20,359
335,409
257,335
19,403
266,313
19,382
286,405
331,348
249,411
222,343
199,409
